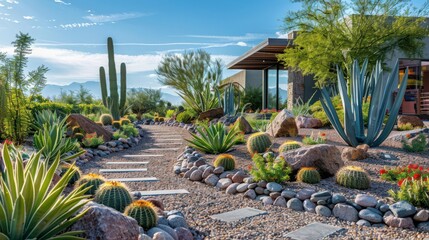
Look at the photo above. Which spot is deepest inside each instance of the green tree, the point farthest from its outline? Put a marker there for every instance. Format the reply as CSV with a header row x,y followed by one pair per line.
x,y
334,32
84,95
145,101
16,85
194,75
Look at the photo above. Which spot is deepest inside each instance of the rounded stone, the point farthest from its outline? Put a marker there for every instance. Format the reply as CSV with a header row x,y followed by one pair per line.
x,y
280,201
259,190
267,201
323,211
242,187
274,195
323,195
262,184
309,206
305,193
402,209
218,170
196,175
338,198
370,216
274,187
238,177
250,194
177,221
384,208
421,216
363,222
346,212
232,189
252,186
223,183
288,194
183,233
365,200
208,171
211,180
168,230
295,204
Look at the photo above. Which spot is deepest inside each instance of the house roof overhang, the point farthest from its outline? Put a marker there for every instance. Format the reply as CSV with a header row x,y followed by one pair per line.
x,y
261,56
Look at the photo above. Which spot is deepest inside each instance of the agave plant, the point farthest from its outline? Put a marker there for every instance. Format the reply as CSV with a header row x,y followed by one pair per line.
x,y
214,138
379,90
31,207
228,101
50,140
46,116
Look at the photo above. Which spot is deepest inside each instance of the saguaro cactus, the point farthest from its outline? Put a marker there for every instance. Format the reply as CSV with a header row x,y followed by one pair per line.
x,y
115,105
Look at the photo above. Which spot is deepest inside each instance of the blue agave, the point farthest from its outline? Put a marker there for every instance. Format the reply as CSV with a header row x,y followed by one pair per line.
x,y
380,90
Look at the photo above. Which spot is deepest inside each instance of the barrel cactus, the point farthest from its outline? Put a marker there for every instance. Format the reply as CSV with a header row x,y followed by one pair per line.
x,y
143,212
308,175
92,180
288,146
124,121
353,177
106,119
79,136
258,143
227,161
113,194
116,124
77,174
99,123
77,129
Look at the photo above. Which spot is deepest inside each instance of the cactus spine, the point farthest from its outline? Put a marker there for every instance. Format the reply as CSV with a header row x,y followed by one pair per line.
x,y
288,146
76,175
308,175
258,143
91,180
353,177
143,212
116,105
227,161
113,194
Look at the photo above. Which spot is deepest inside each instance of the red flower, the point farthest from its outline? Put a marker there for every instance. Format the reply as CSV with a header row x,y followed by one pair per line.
x,y
400,182
8,142
383,171
413,166
416,176
421,168
249,167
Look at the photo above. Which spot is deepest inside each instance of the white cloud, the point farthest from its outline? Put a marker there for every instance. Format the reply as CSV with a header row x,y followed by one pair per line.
x,y
28,17
152,75
12,1
1,5
242,44
113,17
62,2
281,35
78,25
247,36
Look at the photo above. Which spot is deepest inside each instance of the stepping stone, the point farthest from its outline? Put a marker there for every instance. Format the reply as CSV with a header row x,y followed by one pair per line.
x,y
238,214
389,156
143,155
161,149
162,144
122,170
163,192
166,140
314,231
148,179
125,163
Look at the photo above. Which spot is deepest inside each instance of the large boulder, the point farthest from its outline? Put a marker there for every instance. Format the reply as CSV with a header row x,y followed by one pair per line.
x,y
243,125
413,120
283,125
101,222
354,154
325,157
308,122
88,126
211,114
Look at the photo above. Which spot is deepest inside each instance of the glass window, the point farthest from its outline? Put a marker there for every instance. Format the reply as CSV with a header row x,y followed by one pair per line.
x,y
283,81
272,89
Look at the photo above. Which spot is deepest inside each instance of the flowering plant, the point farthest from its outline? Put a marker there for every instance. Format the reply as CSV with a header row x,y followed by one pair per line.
x,y
415,191
315,139
400,174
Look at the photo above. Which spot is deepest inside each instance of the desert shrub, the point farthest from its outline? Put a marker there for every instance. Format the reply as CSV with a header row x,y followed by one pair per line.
x,y
118,134
169,113
132,117
92,109
405,127
314,139
418,144
184,117
92,141
270,169
147,116
34,206
51,141
214,138
129,131
398,174
414,191
60,108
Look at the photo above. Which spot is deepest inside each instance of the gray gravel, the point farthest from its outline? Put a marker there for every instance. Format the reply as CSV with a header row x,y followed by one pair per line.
x,y
204,200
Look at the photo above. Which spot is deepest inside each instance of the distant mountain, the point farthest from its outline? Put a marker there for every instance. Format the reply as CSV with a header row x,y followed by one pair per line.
x,y
52,90
282,93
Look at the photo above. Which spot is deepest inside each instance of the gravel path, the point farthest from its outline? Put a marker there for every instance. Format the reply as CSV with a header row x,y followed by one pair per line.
x,y
204,201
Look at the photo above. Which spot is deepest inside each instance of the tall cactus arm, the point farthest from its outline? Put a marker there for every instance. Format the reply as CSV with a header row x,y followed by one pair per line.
x,y
103,87
123,87
114,96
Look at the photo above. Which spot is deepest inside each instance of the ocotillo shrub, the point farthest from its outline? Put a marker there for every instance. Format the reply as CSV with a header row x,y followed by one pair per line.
x,y
113,194
353,177
143,212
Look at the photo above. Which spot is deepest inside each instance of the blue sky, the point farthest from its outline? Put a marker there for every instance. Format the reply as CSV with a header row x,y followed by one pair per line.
x,y
71,34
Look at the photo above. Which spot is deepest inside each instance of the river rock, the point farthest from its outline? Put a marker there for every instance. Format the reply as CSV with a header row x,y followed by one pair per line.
x,y
211,180
223,183
295,204
309,206
305,193
363,222
280,201
393,221
421,216
346,212
177,221
250,194
232,189
402,209
238,177
197,175
183,233
323,195
365,200
274,187
370,216
267,201
323,211
242,187
338,198
288,194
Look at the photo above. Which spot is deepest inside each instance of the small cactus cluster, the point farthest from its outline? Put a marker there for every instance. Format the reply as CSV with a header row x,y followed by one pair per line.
x,y
116,124
258,143
77,129
76,175
158,119
227,161
91,180
113,194
79,136
124,121
308,175
143,212
353,177
288,146
106,119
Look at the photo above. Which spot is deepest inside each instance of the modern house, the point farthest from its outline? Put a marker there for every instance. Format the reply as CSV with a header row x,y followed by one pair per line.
x,y
262,69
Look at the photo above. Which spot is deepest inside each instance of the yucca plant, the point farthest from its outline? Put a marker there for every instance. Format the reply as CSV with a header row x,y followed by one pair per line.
x,y
50,140
214,138
46,117
31,207
362,87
